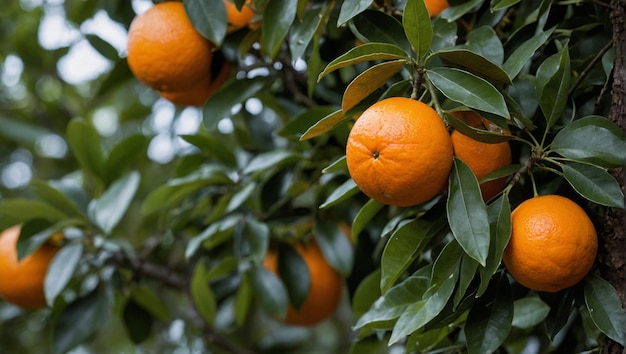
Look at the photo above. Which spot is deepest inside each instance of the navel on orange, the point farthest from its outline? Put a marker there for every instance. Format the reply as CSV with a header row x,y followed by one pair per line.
x,y
399,152
553,243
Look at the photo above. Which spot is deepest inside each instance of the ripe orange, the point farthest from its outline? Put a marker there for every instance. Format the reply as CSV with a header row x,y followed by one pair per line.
x,y
482,158
21,283
169,55
399,152
197,96
238,19
553,243
435,7
324,291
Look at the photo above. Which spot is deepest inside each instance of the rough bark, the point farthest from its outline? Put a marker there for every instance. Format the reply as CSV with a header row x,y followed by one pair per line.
x,y
612,239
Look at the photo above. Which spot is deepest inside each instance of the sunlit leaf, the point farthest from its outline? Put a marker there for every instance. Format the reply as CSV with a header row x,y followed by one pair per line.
x,y
341,193
363,53
324,125
368,81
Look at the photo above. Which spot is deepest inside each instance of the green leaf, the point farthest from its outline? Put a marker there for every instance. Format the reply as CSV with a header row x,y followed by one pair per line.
x,y
35,232
137,321
125,154
522,55
594,183
114,78
61,270
55,197
270,159
201,293
497,5
270,291
148,300
395,301
366,293
211,146
403,246
324,125
591,139
529,312
243,299
455,12
417,26
605,308
350,9
484,136
475,64
485,42
364,216
338,166
560,313
258,235
335,247
489,321
467,273
103,47
302,121
108,210
369,81
80,320
467,213
18,211
364,53
84,140
215,234
228,95
209,18
294,273
377,26
345,191
303,31
468,89
239,198
500,230
555,92
277,19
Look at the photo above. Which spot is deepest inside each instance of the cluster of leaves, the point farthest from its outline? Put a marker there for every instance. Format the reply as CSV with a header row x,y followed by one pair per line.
x,y
427,277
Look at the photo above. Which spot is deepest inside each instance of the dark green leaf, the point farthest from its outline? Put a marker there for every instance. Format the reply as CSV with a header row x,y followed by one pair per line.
x,y
84,140
377,26
364,216
33,234
201,293
148,300
294,273
324,125
277,19
497,5
124,155
335,247
61,270
56,198
417,26
210,145
269,291
500,230
137,321
594,183
467,213
302,31
349,9
341,193
555,92
467,273
484,41
103,47
475,64
476,133
453,13
18,211
592,139
80,320
468,89
231,93
270,159
369,81
489,321
364,53
529,312
215,234
605,308
258,235
520,57
366,294
243,299
305,119
108,210
117,76
338,166
209,18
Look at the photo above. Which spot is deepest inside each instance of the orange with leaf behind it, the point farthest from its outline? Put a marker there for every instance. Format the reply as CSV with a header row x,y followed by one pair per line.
x,y
167,54
553,243
399,152
238,18
325,286
482,158
21,282
436,7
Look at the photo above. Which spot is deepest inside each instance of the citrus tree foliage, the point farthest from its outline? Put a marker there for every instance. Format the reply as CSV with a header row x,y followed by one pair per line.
x,y
167,254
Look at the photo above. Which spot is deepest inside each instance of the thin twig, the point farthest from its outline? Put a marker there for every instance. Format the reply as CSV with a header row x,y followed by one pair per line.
x,y
590,66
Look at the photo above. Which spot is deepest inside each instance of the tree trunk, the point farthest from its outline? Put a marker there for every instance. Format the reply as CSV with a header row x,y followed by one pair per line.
x,y
612,255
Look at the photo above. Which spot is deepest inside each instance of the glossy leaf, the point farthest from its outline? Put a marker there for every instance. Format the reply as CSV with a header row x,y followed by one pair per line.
x,y
349,9
364,53
476,133
366,293
270,159
212,146
208,17
269,291
364,216
468,89
84,140
277,19
302,31
294,273
103,47
335,247
347,190
201,293
467,213
475,64
592,139
125,155
605,308
231,93
529,312
417,26
555,92
53,196
485,42
240,197
338,166
213,235
594,183
520,56
467,273
108,210
377,26
489,321
258,235
369,81
324,125
499,212
61,270
453,13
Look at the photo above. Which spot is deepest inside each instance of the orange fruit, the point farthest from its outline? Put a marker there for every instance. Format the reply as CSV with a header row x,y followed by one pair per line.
x,y
324,290
169,55
197,96
436,7
399,152
21,283
553,243
482,158
238,19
